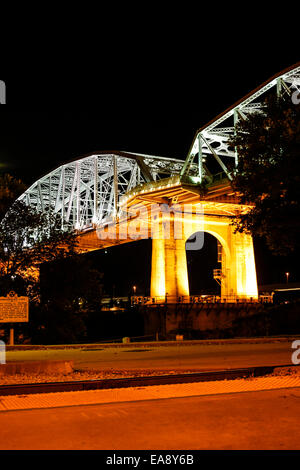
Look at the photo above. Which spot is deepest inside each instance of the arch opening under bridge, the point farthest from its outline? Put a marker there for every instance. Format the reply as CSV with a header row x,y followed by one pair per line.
x,y
201,265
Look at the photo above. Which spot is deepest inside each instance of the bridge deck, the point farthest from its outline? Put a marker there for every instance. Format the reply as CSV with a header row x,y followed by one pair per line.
x,y
219,200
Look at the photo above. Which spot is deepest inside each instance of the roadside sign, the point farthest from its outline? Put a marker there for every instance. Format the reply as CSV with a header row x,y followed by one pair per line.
x,y
14,308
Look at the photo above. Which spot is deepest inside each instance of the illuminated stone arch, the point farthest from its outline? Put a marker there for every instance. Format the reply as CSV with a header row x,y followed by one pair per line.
x,y
169,274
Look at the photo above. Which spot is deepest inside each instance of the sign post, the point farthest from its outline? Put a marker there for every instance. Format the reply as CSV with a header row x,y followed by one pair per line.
x,y
11,336
13,309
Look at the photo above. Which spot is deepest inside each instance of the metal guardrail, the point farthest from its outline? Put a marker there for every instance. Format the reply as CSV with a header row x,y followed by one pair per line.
x,y
199,299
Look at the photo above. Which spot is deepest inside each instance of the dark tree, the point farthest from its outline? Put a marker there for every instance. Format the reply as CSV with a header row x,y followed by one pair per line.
x,y
10,189
27,239
32,243
268,174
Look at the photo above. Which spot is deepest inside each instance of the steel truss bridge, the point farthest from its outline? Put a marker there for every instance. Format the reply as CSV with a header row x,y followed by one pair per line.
x,y
102,189
87,191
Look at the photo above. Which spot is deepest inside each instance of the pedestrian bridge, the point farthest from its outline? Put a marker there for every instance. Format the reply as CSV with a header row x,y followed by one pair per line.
x,y
117,197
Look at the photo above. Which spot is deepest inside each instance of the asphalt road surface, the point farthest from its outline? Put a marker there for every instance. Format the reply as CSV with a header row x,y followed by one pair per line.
x,y
250,420
181,357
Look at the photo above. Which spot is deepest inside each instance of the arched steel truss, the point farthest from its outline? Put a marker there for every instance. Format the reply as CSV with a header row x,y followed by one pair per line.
x,y
86,192
211,141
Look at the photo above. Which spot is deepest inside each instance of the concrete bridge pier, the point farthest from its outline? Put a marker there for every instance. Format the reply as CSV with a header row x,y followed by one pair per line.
x,y
169,274
242,270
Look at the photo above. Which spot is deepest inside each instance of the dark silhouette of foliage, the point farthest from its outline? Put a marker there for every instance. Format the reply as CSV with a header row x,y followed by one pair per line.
x,y
27,239
268,174
10,189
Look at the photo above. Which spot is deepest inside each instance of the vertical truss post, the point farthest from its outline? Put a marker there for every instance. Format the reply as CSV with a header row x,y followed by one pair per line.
x,y
235,120
200,158
63,197
57,201
279,87
132,180
95,189
78,196
100,212
50,194
72,195
138,176
115,186
41,197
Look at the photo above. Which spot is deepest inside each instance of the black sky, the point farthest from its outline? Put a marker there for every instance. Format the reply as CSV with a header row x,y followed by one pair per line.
x,y
50,120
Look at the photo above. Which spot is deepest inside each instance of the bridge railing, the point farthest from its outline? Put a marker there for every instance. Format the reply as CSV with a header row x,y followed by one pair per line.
x,y
199,299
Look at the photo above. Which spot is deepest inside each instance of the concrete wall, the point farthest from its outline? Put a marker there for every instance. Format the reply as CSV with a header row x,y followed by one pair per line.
x,y
166,319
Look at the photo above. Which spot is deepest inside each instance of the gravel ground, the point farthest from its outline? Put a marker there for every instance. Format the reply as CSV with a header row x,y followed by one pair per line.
x,y
112,374
283,371
85,375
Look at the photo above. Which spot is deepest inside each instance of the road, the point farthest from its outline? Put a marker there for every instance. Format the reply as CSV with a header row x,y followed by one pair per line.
x,y
179,357
250,420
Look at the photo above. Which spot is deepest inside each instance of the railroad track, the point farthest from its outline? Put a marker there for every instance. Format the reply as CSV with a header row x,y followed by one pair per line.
x,y
84,385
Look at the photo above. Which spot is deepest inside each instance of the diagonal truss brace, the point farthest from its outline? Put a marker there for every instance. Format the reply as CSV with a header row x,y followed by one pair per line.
x,y
213,139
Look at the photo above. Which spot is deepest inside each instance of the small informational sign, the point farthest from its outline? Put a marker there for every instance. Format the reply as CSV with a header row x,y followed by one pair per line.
x,y
14,308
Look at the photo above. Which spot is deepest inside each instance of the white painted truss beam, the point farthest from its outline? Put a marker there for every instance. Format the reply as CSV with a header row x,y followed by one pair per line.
x,y
216,135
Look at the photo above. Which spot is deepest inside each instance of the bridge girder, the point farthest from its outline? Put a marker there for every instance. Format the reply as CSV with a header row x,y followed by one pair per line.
x,y
212,140
87,191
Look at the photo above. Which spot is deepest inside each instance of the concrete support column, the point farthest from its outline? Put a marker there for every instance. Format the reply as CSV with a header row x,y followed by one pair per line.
x,y
243,269
158,279
225,282
169,275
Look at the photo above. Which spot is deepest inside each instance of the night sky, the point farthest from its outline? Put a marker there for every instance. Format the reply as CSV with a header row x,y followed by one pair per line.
x,y
42,127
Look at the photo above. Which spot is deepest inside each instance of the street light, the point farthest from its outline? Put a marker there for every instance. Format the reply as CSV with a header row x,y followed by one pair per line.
x,y
134,289
287,277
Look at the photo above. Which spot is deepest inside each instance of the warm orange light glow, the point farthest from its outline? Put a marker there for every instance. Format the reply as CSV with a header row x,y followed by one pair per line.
x,y
169,266
211,213
158,287
246,281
